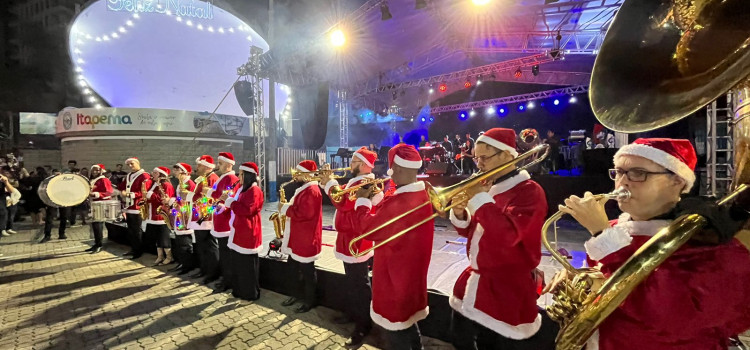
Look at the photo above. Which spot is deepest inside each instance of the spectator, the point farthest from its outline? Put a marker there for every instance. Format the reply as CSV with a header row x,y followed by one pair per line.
x,y
72,167
82,209
5,190
48,169
552,161
33,204
118,175
11,200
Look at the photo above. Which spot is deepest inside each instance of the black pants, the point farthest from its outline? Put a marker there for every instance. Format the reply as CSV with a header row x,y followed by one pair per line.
x,y
11,216
134,232
245,283
208,250
407,339
469,167
183,251
359,295
470,335
98,228
49,218
160,233
225,261
307,281
3,214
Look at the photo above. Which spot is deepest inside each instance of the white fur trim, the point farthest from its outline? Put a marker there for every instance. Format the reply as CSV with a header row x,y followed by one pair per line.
x,y
288,251
397,326
363,202
466,308
458,222
377,198
220,234
662,158
229,201
205,163
96,194
131,211
389,172
161,171
241,250
412,187
362,158
206,225
329,185
497,144
608,242
225,159
284,208
171,201
303,169
479,200
184,232
348,259
473,249
249,170
133,160
154,222
509,183
412,164
149,194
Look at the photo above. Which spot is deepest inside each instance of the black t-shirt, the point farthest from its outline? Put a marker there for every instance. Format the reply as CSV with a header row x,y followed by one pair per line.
x,y
448,146
118,176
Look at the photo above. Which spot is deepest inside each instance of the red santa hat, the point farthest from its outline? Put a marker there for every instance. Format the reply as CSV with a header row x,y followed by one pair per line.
x,y
206,160
98,166
133,159
186,168
226,157
500,138
405,156
163,170
677,155
307,166
367,156
249,167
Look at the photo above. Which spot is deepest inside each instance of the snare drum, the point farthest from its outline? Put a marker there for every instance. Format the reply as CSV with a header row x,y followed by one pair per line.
x,y
64,190
108,210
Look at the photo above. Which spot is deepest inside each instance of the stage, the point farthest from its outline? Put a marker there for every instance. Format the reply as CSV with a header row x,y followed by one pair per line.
x,y
448,261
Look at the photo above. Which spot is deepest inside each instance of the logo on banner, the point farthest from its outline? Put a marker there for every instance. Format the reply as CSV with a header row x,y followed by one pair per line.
x,y
182,8
93,120
67,120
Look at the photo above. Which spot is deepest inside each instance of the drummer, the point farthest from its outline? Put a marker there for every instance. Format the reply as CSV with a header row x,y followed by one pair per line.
x,y
101,190
49,219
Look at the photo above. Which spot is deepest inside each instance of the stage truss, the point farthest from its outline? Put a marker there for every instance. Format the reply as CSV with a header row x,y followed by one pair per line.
x,y
512,99
251,71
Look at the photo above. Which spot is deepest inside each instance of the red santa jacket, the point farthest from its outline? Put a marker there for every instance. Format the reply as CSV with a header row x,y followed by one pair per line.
x,y
101,189
696,299
344,222
504,247
303,232
178,204
226,183
154,199
134,183
399,271
246,234
197,196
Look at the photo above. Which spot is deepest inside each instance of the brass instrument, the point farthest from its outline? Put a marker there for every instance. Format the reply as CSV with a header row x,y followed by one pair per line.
x,y
320,175
210,210
443,199
279,221
142,205
182,210
660,61
337,194
162,209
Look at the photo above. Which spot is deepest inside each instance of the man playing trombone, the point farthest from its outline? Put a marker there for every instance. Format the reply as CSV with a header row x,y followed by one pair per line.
x,y
502,221
355,268
399,272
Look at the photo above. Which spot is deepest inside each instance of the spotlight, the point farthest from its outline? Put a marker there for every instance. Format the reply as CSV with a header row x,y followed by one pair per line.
x,y
521,108
462,116
480,2
338,38
420,4
92,99
385,13
431,90
479,82
443,87
518,73
535,69
432,119
467,84
86,91
502,111
530,105
424,119
98,106
490,110
573,99
79,69
472,113
557,102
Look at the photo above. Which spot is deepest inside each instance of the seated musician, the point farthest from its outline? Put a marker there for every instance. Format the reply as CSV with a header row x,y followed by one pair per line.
x,y
699,296
495,297
399,272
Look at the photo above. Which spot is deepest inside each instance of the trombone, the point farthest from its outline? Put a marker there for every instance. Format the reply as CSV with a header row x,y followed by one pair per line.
x,y
337,194
441,199
319,175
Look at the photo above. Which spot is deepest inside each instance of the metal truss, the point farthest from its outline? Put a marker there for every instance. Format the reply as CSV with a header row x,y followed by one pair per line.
x,y
259,123
343,119
573,42
545,77
486,70
512,99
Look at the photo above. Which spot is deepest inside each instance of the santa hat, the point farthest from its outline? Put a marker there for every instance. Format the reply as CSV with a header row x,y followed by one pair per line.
x,y
162,169
677,155
367,156
206,160
249,167
405,156
133,159
98,166
500,138
186,168
226,157
597,129
307,166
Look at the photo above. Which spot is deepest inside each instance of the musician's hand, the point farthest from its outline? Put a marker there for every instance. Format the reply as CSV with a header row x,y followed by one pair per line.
x,y
588,211
560,276
474,190
364,192
223,197
124,193
204,190
280,206
459,210
165,201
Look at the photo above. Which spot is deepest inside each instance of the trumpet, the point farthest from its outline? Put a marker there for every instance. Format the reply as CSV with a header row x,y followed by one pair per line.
x,y
442,199
337,194
320,175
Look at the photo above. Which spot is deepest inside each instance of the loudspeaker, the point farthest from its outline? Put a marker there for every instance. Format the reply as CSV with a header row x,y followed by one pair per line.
x,y
437,168
314,129
243,90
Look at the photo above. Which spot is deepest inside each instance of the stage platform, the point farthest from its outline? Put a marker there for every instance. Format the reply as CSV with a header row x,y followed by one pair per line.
x,y
448,260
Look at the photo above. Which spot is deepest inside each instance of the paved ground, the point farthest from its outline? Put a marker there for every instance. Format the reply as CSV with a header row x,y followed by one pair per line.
x,y
54,296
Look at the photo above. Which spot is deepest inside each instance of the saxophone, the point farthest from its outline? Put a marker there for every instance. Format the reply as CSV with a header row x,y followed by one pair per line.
x,y
279,221
163,209
142,205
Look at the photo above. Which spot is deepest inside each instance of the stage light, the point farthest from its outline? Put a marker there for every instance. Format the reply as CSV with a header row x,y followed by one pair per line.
x,y
467,84
518,73
480,2
189,22
385,13
431,90
479,82
86,91
432,119
490,110
557,102
462,116
521,108
472,113
420,4
98,106
338,38
443,87
530,105
502,111
535,69
92,99
79,69
424,119
129,23
573,99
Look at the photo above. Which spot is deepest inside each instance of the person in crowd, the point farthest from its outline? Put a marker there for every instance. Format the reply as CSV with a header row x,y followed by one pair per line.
x,y
206,246
184,235
468,166
423,141
132,191
118,175
226,183
101,190
12,199
32,203
82,209
373,148
49,219
447,144
160,193
6,188
552,161
72,167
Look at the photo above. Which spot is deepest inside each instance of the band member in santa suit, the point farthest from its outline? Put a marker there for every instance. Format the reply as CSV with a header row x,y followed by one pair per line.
x,y
226,184
303,235
131,190
246,233
101,190
181,207
399,272
205,244
356,269
700,295
502,221
158,197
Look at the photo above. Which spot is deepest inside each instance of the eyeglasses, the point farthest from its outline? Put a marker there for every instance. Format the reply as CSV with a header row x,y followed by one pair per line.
x,y
485,158
634,175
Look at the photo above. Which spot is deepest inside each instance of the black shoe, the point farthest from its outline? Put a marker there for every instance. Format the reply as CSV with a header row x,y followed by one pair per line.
x,y
208,280
96,250
355,340
45,239
177,267
342,320
289,302
129,253
135,256
197,275
221,287
91,249
302,309
62,237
